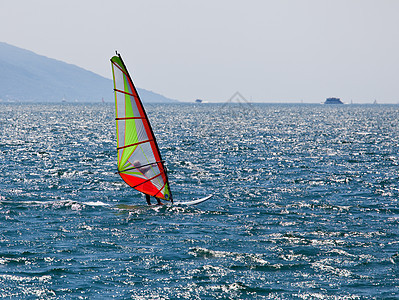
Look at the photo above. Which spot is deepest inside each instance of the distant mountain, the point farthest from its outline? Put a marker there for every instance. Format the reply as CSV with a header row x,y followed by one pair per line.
x,y
27,76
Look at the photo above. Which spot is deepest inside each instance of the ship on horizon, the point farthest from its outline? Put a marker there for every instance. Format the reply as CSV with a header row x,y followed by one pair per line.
x,y
333,101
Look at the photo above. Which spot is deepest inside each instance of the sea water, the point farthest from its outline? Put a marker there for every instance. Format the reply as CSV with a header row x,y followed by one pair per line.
x,y
305,204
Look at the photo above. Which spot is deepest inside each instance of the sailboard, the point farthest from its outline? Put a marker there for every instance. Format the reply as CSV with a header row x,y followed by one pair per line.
x,y
194,202
139,162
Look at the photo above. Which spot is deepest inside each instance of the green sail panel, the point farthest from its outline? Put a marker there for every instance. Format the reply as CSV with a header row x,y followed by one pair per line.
x,y
139,161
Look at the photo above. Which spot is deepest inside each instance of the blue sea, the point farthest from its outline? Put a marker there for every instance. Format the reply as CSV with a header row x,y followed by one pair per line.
x,y
305,204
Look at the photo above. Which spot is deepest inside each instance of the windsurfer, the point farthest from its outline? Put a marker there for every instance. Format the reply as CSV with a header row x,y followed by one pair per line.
x,y
139,161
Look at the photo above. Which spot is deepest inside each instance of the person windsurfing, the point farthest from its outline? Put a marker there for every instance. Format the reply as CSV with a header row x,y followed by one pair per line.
x,y
139,160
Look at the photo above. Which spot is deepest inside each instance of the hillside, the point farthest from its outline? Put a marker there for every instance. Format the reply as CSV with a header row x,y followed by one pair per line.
x,y
26,76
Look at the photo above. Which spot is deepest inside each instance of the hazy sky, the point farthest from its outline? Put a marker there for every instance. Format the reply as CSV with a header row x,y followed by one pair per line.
x,y
269,51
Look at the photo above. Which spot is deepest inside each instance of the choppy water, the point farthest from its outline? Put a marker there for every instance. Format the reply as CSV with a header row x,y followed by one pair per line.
x,y
305,205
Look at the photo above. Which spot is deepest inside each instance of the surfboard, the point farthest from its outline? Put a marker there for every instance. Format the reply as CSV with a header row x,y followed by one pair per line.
x,y
194,202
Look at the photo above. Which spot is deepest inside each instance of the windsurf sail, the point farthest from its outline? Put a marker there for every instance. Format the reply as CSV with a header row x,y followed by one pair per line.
x,y
139,161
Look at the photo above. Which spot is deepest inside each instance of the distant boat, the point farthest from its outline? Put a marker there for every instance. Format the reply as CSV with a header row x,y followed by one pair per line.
x,y
198,101
333,101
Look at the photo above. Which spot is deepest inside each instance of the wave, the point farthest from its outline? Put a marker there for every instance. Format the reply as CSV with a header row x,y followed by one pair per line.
x,y
74,205
242,257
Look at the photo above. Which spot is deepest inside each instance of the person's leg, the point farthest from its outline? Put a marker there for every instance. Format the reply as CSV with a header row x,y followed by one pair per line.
x,y
147,198
159,201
